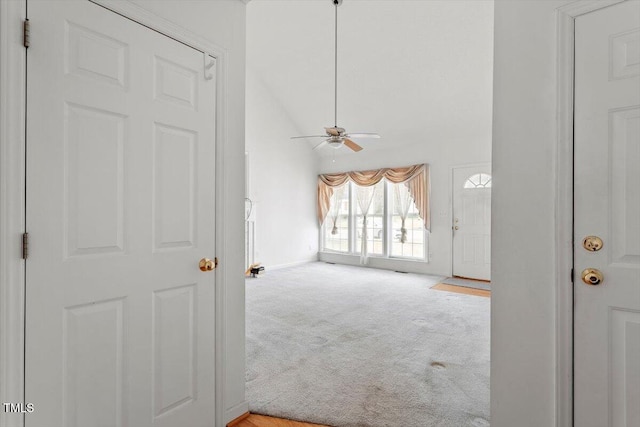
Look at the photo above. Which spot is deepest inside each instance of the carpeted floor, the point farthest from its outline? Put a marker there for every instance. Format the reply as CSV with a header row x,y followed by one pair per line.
x,y
351,346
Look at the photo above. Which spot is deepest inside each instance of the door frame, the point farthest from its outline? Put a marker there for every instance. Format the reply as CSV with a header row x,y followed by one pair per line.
x,y
565,65
12,224
12,193
451,198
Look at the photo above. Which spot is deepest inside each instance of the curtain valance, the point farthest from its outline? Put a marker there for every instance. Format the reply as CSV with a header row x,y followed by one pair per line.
x,y
415,177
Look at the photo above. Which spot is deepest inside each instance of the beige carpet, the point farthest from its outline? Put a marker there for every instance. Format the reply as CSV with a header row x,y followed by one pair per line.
x,y
350,346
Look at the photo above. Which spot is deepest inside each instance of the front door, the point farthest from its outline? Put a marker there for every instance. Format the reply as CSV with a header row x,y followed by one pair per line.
x,y
472,222
607,207
120,209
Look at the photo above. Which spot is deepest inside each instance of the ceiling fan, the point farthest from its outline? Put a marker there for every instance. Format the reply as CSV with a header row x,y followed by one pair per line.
x,y
336,136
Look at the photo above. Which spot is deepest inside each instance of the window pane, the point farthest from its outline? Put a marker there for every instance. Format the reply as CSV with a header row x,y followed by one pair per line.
x,y
375,219
409,244
336,225
480,180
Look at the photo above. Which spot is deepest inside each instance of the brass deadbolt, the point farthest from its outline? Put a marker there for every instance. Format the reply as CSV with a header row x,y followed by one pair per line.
x,y
592,243
592,276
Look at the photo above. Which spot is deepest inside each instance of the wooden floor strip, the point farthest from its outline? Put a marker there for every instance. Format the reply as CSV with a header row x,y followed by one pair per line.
x,y
254,420
237,421
462,290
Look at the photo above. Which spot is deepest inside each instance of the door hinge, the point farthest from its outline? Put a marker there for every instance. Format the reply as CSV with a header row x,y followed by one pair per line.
x,y
25,245
26,37
572,275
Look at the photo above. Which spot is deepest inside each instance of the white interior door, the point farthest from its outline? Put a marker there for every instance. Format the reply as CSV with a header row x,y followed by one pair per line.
x,y
120,209
472,222
607,205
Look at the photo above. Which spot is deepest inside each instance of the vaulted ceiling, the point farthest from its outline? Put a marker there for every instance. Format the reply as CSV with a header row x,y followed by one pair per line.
x,y
408,69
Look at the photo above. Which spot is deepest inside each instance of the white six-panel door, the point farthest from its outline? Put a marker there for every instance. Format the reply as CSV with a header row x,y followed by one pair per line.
x,y
472,222
607,205
120,209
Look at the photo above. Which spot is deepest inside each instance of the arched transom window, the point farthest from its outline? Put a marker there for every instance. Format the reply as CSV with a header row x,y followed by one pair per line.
x,y
479,180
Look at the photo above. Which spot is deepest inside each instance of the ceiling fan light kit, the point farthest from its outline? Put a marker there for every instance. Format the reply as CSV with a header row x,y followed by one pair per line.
x,y
337,136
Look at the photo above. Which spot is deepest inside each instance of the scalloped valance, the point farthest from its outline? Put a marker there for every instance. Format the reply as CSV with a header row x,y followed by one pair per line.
x,y
415,177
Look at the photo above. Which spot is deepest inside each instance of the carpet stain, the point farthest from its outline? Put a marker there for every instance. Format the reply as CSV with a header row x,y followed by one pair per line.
x,y
352,336
480,422
420,322
438,365
251,375
319,341
373,399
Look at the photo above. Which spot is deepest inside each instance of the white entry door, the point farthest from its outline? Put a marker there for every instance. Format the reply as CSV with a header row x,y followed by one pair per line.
x,y
472,222
607,206
120,209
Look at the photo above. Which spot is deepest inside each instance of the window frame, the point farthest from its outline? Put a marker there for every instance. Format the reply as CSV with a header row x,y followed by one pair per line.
x,y
480,185
387,224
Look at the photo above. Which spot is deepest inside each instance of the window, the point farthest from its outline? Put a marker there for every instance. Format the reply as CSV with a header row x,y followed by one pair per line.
x,y
479,180
389,203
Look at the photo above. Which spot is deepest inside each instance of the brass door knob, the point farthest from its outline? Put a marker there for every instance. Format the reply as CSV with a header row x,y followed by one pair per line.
x,y
592,276
456,228
207,265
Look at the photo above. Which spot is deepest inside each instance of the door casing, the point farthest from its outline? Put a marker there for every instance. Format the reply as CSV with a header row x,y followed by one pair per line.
x,y
12,192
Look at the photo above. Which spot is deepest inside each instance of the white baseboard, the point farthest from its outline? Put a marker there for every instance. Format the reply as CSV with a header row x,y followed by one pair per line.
x,y
394,264
291,264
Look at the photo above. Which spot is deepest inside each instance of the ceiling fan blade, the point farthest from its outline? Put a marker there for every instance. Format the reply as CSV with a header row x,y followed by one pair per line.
x,y
309,136
364,135
322,144
349,143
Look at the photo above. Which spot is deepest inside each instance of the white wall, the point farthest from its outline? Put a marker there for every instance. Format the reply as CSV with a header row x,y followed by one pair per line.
x,y
417,72
282,172
523,242
222,22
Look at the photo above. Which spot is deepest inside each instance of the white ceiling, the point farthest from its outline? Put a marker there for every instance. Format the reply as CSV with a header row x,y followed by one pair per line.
x,y
411,70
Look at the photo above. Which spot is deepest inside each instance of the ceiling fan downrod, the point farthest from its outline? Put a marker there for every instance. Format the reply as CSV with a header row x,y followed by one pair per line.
x,y
335,68
338,136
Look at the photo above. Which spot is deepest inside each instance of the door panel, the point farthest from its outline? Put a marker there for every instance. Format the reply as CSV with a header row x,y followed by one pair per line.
x,y
120,209
174,324
94,363
607,205
624,203
472,222
174,184
95,180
